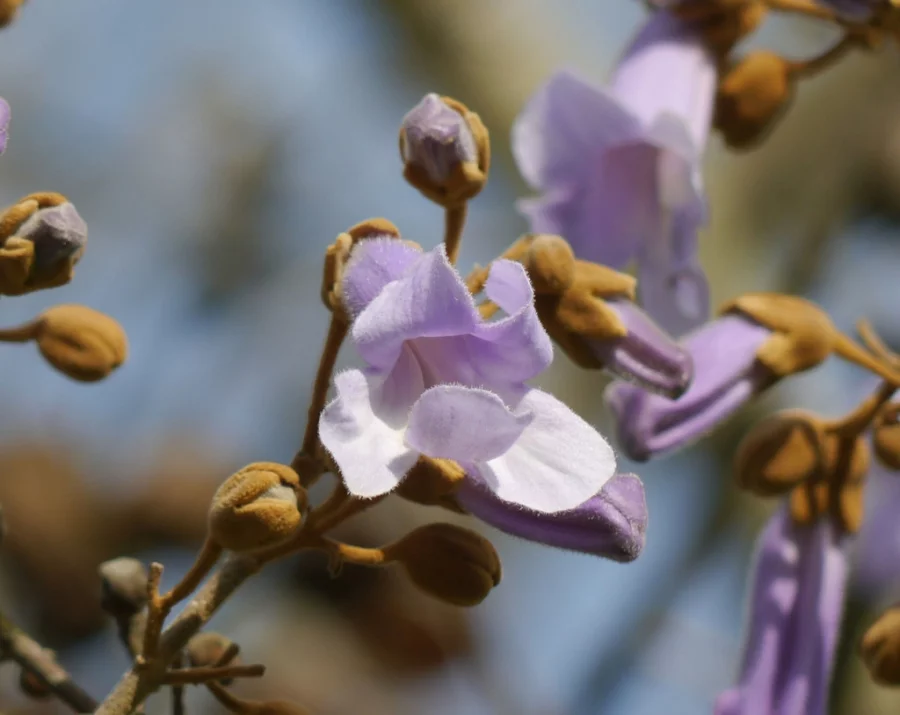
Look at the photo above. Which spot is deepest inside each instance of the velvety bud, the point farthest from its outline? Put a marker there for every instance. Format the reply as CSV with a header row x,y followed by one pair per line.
x,y
258,506
206,649
612,524
124,583
445,150
886,436
81,343
448,562
751,96
780,452
432,482
880,648
550,263
9,10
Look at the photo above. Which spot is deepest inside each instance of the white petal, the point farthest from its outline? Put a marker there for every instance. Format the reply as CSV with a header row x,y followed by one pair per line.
x,y
558,463
371,453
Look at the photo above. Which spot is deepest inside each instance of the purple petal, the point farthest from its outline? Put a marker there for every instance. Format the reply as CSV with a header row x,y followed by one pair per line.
x,y
463,424
611,524
430,300
669,71
364,435
5,115
726,375
436,137
373,264
795,612
646,356
558,463
58,233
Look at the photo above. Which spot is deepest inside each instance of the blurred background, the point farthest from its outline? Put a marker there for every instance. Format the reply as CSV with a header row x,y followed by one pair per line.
x,y
215,149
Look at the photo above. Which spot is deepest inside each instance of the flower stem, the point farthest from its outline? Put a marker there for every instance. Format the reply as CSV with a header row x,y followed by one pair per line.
x,y
20,333
454,223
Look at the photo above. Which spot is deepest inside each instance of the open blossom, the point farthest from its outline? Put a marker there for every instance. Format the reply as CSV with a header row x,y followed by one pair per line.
x,y
796,606
726,375
611,524
619,168
442,382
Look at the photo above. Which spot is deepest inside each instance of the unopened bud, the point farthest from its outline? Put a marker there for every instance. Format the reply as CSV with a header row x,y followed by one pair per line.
x,y
258,506
886,436
448,562
780,452
124,583
33,686
9,9
550,264
880,648
751,96
445,150
431,481
205,650
80,342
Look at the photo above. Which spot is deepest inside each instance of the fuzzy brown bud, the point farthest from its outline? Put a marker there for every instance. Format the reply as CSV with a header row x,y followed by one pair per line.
x,y
124,583
448,562
432,482
81,343
886,436
205,650
880,648
9,9
751,96
780,452
260,505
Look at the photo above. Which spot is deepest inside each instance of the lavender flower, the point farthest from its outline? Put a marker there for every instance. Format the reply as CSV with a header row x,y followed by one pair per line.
x,y
619,168
442,382
611,524
795,613
726,375
4,124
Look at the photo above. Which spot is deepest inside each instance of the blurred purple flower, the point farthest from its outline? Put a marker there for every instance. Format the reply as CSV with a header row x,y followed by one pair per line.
x,y
619,168
796,604
5,115
435,137
611,524
442,382
646,356
726,375
856,10
877,556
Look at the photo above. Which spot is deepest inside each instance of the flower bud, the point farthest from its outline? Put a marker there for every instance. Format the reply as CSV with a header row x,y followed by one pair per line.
x,y
44,237
780,452
124,584
886,436
448,562
880,648
751,96
9,9
206,649
445,150
258,506
550,263
431,482
81,343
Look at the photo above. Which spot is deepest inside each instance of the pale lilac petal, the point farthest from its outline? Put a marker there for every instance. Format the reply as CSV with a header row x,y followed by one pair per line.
x,y
5,115
726,375
429,300
796,606
463,424
436,137
374,262
367,446
611,524
565,127
559,462
668,70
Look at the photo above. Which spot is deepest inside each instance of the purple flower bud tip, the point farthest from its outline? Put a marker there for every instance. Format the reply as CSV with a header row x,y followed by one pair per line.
x,y
646,356
611,524
58,233
435,137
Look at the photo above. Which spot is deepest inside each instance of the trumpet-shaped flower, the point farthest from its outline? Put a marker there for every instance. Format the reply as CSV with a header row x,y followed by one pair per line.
x,y
442,382
619,168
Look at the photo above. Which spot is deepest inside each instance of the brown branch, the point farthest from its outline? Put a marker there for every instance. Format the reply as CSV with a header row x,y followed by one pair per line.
x,y
199,676
37,660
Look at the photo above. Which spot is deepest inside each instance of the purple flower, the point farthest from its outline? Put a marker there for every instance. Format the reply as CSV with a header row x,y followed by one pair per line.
x,y
795,614
58,234
726,375
441,381
645,356
619,168
611,524
4,124
435,137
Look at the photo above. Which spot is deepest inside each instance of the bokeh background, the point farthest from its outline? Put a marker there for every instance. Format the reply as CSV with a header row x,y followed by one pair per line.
x,y
215,149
